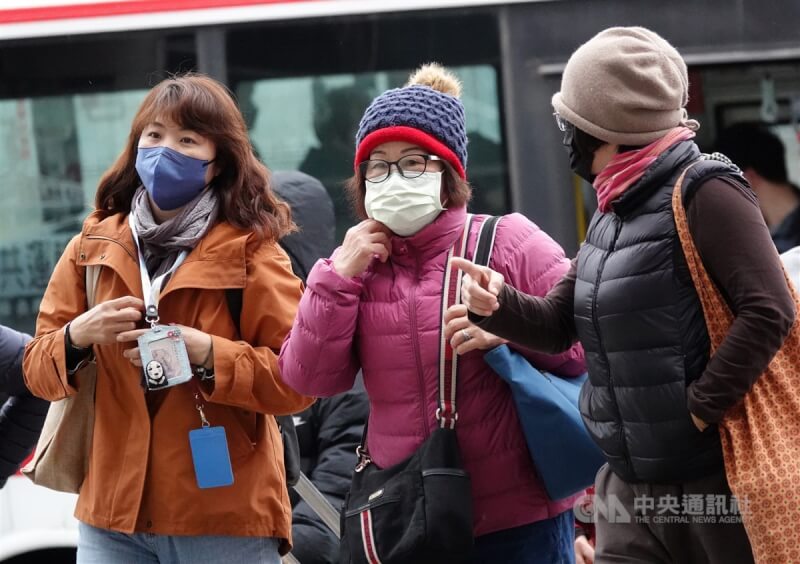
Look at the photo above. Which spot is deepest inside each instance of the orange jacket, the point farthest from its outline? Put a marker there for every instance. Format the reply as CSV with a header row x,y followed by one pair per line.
x,y
141,476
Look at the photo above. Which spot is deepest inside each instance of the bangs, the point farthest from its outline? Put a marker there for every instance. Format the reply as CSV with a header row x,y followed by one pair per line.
x,y
186,105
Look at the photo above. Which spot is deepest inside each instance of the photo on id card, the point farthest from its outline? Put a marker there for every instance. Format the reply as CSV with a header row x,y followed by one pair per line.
x,y
165,361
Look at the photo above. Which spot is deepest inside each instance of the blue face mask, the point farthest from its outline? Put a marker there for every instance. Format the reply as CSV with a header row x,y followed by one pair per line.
x,y
171,178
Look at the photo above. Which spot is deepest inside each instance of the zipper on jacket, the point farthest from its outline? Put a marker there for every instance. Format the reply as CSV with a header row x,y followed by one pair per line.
x,y
412,313
596,323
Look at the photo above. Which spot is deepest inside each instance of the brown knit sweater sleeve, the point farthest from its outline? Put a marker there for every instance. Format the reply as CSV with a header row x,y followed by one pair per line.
x,y
544,324
736,249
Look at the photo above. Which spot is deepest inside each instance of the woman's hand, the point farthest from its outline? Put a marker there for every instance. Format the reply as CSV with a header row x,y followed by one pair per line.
x,y
104,322
480,287
464,336
584,551
699,423
363,242
199,346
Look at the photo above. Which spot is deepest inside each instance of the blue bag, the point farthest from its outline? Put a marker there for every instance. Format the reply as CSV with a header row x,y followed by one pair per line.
x,y
565,456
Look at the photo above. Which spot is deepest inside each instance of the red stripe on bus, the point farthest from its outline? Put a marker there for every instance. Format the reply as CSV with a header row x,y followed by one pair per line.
x,y
134,7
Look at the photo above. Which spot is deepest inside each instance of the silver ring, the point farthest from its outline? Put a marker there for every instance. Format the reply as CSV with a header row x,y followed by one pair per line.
x,y
465,334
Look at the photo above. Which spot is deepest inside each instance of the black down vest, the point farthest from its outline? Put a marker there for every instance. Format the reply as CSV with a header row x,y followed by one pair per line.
x,y
641,324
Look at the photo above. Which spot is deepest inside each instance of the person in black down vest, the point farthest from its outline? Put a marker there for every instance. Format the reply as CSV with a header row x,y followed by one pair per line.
x,y
22,415
654,395
329,431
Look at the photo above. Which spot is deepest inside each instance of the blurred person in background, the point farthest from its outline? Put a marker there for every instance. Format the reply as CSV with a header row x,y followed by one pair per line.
x,y
761,155
329,431
22,415
336,115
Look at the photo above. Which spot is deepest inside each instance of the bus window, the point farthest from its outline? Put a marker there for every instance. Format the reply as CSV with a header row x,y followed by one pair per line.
x,y
54,150
309,124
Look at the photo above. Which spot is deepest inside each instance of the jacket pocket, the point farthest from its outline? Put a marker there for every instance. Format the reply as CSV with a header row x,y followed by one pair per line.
x,y
445,492
693,428
248,421
240,443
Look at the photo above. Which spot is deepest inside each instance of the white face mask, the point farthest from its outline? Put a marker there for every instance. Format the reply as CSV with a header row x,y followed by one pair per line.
x,y
405,205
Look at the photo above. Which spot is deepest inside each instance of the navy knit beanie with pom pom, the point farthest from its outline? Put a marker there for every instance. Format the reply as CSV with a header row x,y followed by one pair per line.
x,y
426,112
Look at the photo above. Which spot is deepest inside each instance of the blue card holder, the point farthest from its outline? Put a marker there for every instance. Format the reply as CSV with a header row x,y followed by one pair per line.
x,y
212,463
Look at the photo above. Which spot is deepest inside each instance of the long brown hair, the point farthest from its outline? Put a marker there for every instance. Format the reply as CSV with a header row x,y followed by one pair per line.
x,y
200,103
458,191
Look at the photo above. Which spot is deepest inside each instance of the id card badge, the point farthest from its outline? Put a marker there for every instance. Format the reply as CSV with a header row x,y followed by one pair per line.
x,y
164,358
212,463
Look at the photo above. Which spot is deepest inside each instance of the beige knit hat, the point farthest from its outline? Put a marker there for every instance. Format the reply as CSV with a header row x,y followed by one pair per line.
x,y
625,86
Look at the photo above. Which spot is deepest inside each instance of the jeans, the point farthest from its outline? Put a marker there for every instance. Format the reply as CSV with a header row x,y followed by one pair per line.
x,y
545,542
101,546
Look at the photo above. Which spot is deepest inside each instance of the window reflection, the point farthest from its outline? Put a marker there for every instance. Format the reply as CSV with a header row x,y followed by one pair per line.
x,y
54,150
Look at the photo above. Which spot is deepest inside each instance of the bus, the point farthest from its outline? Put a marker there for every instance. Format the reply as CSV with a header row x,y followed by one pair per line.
x,y
74,71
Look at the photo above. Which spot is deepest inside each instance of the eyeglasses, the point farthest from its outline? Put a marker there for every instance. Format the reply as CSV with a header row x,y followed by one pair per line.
x,y
566,128
410,166
563,125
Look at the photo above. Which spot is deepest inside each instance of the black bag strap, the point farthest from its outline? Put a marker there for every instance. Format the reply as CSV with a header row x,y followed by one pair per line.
x,y
234,295
291,447
234,298
486,236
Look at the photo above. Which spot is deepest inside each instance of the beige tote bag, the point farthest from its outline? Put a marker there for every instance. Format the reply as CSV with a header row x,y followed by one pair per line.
x,y
61,459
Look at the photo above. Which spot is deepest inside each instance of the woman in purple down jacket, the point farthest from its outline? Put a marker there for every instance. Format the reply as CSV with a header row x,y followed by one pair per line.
x,y
375,305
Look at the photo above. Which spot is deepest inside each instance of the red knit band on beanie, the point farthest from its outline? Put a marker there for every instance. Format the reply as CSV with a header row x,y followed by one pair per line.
x,y
409,135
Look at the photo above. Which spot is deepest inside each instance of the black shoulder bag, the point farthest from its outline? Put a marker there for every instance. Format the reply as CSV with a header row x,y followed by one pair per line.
x,y
419,510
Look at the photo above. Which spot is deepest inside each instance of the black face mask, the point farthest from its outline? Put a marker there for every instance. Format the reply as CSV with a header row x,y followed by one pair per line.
x,y
581,147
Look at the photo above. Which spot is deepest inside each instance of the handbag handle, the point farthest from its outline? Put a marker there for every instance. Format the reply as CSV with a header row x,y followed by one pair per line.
x,y
486,237
716,312
446,413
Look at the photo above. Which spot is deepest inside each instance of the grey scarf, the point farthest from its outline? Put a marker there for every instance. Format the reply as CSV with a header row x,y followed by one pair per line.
x,y
163,242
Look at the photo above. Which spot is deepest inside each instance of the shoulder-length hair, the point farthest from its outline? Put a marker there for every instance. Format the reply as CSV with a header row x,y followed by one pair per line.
x,y
200,103
458,190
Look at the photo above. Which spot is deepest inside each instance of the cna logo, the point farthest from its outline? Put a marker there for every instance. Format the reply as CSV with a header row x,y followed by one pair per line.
x,y
668,508
589,506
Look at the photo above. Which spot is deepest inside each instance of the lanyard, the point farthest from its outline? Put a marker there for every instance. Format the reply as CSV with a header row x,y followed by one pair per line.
x,y
152,289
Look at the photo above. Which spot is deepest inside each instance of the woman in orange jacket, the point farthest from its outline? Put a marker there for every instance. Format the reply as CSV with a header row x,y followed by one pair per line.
x,y
186,462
